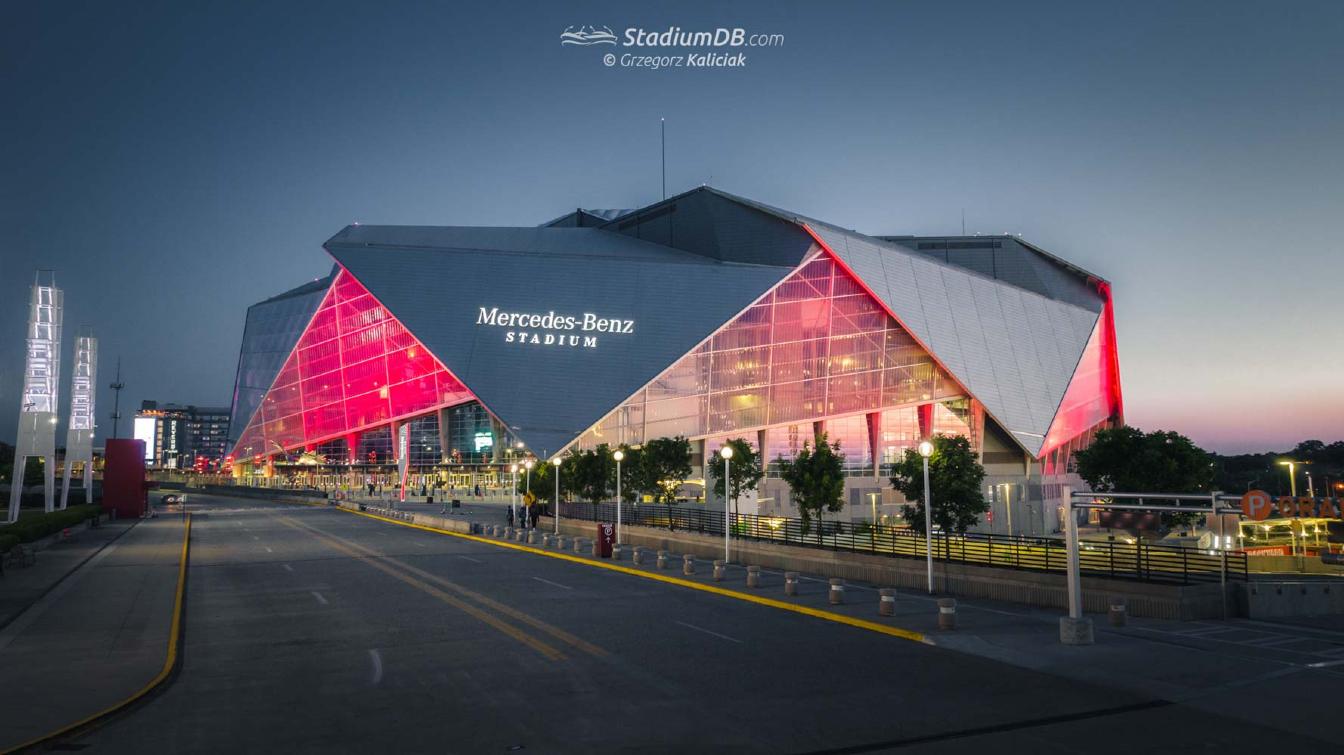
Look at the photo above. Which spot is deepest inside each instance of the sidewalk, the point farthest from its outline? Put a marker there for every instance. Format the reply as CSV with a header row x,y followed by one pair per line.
x,y
98,637
21,586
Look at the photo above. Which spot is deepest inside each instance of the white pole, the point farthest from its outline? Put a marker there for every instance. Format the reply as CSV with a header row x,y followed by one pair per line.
x,y
618,501
928,524
726,482
556,469
1071,543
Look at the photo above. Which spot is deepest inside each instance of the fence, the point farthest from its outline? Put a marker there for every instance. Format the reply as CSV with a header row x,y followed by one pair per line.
x,y
1136,561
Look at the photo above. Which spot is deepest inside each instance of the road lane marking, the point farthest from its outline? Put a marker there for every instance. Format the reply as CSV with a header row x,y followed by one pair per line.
x,y
319,597
377,659
871,626
553,584
288,567
268,549
485,600
377,563
418,544
706,631
473,560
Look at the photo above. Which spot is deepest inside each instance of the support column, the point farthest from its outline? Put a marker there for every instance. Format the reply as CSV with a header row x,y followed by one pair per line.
x,y
352,447
925,413
875,442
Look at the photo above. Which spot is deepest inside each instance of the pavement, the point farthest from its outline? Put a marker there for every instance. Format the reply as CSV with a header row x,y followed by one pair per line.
x,y
20,587
309,629
95,637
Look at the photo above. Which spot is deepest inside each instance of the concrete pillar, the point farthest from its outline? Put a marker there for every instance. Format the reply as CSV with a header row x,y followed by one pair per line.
x,y
753,576
560,543
617,553
546,540
1075,631
579,544
836,596
1117,613
637,557
875,442
533,537
662,559
947,613
886,602
718,570
688,564
790,583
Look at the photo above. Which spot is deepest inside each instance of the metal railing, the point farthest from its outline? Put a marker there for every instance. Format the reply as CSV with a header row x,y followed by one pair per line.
x,y
1115,559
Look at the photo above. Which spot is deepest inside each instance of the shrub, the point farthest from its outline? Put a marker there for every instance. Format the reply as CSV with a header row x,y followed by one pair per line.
x,y
7,542
37,525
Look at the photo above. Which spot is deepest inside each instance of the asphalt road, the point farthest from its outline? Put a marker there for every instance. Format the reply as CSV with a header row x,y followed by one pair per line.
x,y
315,630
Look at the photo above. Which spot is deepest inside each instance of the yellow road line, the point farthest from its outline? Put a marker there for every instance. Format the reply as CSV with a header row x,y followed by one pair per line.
x,y
168,663
528,619
871,626
376,562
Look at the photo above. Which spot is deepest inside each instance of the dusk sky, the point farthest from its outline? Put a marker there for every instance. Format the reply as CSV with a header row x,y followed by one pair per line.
x,y
176,162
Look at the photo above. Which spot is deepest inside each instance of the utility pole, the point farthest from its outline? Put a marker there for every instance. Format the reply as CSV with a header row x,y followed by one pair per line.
x,y
116,386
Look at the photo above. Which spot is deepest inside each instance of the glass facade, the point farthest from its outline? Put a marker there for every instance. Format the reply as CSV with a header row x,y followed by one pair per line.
x,y
269,336
816,346
355,367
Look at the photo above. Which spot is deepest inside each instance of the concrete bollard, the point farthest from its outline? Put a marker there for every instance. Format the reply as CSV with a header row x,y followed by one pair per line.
x,y
594,548
947,613
1075,631
753,576
718,570
546,540
1117,614
533,537
638,556
560,542
837,592
886,602
579,544
688,564
617,553
790,583
508,533
662,559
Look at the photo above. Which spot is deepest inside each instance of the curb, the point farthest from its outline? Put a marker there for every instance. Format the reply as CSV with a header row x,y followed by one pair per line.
x,y
871,626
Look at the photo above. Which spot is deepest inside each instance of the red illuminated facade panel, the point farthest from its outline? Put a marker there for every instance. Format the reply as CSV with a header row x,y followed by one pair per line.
x,y
1093,395
354,367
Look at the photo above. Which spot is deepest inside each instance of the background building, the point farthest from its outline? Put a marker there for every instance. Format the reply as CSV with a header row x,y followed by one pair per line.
x,y
704,315
177,436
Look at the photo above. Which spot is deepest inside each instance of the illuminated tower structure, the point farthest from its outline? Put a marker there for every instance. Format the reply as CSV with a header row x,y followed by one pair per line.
x,y
79,433
41,384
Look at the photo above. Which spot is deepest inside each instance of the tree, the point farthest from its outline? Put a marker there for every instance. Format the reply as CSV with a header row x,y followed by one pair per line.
x,y
816,479
955,476
744,469
1126,459
663,464
592,474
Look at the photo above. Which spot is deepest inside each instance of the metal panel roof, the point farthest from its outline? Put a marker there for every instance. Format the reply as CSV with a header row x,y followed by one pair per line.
x,y
437,280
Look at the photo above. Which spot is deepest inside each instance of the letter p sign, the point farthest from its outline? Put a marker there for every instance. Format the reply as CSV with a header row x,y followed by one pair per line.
x,y
1256,505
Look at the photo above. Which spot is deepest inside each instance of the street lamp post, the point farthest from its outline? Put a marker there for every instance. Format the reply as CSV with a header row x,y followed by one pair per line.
x,y
926,450
527,465
727,453
618,456
556,463
1292,476
513,493
1311,488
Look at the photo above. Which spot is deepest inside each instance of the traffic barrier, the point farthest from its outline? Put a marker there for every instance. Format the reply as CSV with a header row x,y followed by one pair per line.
x,y
688,564
718,570
790,583
594,548
947,613
837,591
617,553
561,543
1117,613
662,559
579,544
753,576
886,602
547,540
533,537
638,556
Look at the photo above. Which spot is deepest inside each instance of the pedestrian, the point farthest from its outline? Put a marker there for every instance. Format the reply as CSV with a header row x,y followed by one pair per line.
x,y
508,513
535,511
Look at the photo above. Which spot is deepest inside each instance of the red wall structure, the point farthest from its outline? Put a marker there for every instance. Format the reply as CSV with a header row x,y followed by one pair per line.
x,y
124,488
